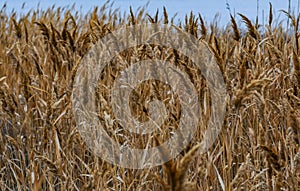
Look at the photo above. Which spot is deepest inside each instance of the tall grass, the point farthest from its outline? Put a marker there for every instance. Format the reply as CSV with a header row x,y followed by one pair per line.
x,y
40,148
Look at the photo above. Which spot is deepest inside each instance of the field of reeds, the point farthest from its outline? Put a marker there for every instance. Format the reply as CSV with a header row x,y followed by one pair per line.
x,y
41,149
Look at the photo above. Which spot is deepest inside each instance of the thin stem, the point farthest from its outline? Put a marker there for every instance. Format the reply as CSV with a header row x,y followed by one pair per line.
x,y
257,10
289,11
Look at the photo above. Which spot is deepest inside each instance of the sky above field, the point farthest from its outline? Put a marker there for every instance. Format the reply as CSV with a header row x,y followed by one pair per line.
x,y
208,9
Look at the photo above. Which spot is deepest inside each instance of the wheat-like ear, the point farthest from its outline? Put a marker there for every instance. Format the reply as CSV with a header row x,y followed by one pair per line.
x,y
44,29
26,31
17,28
132,16
270,14
236,31
203,28
166,19
153,19
251,28
150,18
156,16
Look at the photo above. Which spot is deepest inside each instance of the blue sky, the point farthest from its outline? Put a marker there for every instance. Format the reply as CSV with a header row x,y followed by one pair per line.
x,y
208,9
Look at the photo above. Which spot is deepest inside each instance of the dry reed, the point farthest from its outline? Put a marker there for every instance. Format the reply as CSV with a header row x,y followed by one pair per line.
x,y
40,148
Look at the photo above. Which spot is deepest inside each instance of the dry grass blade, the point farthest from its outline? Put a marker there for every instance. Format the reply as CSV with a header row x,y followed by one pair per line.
x,y
296,62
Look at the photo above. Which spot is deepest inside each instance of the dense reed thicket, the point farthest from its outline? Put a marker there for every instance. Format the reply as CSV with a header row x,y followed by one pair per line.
x,y
41,149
